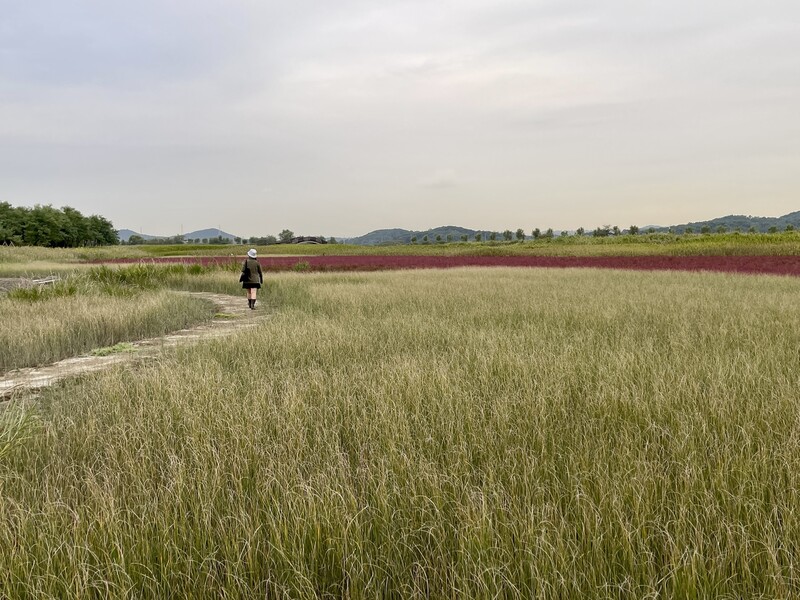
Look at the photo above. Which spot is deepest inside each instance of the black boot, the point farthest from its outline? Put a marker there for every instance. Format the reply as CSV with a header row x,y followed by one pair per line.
x,y
253,306
249,303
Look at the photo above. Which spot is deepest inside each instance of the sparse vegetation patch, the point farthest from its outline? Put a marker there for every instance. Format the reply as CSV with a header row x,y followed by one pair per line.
x,y
120,348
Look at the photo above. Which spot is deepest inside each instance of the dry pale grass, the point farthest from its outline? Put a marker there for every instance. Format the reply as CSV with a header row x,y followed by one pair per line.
x,y
35,332
28,254
469,433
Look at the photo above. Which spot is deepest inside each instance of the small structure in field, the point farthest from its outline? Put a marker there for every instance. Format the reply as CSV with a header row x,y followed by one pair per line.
x,y
306,239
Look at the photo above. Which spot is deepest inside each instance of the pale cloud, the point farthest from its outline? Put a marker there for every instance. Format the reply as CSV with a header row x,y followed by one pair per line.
x,y
355,114
441,178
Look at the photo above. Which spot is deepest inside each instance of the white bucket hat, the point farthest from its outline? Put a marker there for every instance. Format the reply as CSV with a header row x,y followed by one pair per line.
x,y
251,253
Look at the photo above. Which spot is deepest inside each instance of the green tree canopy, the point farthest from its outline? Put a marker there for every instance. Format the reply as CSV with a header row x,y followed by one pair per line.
x,y
53,227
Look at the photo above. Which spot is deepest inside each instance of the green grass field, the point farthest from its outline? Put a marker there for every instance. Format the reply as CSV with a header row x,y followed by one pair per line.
x,y
18,261
462,434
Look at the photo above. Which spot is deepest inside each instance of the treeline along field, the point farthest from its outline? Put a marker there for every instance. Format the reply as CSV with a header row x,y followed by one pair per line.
x,y
659,244
53,227
23,259
468,433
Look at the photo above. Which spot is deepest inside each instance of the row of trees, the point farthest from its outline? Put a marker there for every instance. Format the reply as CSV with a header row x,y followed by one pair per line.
x,y
492,236
284,237
53,227
608,230
604,231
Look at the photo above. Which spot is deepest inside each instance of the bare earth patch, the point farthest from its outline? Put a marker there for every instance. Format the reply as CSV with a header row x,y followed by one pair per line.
x,y
232,315
9,283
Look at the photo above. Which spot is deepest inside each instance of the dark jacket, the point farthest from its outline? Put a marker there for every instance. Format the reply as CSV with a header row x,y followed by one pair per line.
x,y
251,271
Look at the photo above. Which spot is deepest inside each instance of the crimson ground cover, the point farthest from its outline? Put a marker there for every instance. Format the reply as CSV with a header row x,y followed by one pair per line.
x,y
774,265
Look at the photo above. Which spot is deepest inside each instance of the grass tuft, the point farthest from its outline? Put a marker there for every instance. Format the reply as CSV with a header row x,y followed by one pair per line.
x,y
120,348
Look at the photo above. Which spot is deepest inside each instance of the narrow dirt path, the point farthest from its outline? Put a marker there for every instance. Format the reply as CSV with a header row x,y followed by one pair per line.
x,y
232,315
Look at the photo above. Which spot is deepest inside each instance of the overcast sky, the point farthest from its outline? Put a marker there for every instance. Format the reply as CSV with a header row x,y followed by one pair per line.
x,y
337,118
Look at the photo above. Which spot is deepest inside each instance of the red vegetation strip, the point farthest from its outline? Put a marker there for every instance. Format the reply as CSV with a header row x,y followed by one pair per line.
x,y
773,265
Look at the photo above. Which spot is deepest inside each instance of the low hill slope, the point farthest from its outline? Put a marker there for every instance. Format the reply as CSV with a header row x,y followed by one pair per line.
x,y
403,236
743,222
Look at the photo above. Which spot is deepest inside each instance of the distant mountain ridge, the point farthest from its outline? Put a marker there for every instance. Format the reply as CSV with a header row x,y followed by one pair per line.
x,y
208,234
125,235
403,236
743,222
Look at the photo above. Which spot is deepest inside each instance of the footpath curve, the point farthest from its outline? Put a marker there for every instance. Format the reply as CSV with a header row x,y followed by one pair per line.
x,y
232,315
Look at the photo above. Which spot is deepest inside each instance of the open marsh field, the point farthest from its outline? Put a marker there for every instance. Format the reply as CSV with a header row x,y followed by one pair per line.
x,y
16,261
767,265
658,244
469,433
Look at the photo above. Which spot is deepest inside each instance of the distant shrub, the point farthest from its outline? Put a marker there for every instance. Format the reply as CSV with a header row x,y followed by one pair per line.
x,y
60,289
144,276
120,348
301,266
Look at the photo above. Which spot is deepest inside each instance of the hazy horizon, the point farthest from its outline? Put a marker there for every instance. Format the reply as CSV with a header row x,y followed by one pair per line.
x,y
342,118
440,226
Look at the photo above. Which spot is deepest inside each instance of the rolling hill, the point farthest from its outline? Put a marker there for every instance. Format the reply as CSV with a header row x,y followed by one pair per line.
x,y
381,237
200,234
743,222
403,236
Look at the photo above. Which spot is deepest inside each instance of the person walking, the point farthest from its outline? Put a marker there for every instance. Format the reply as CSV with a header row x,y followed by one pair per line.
x,y
251,277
